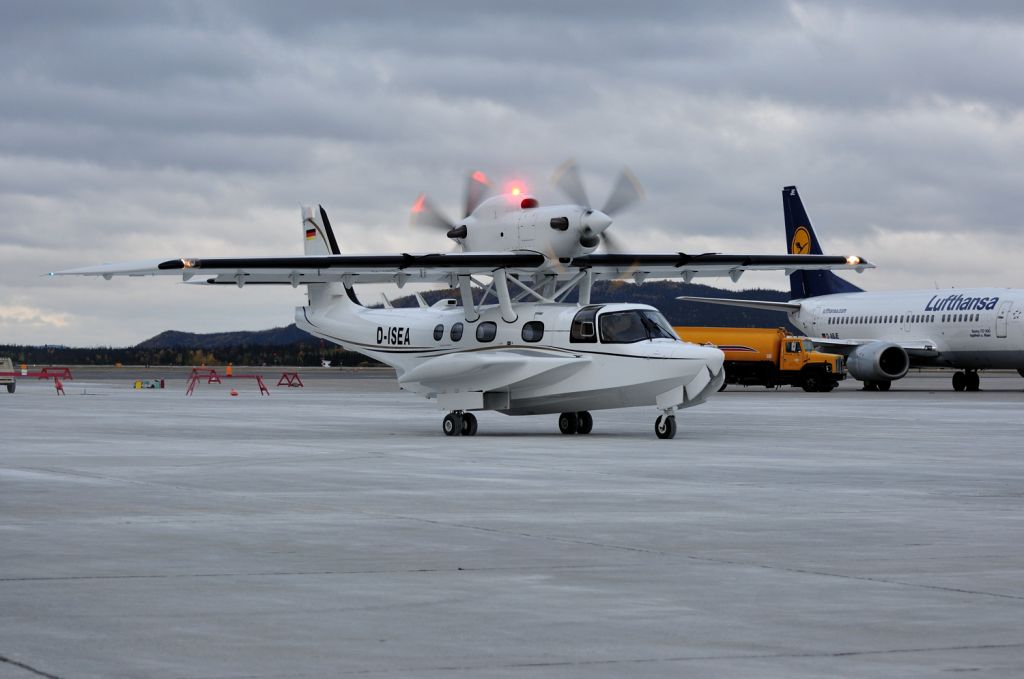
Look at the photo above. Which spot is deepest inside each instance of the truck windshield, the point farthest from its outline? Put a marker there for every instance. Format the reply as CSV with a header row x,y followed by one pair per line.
x,y
808,347
636,325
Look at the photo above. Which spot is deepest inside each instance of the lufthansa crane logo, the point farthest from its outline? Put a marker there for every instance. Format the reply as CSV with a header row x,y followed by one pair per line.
x,y
801,242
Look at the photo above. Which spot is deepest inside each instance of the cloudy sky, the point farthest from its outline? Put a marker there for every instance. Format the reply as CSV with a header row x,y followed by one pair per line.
x,y
136,130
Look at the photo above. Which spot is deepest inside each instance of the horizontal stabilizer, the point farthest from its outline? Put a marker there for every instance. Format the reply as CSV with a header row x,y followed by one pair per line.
x,y
784,307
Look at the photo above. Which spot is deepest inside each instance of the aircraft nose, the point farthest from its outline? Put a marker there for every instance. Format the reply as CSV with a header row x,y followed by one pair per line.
x,y
596,221
714,358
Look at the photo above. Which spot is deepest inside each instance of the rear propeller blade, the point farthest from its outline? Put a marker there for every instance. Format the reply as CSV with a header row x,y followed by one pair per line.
x,y
626,192
424,213
477,188
567,178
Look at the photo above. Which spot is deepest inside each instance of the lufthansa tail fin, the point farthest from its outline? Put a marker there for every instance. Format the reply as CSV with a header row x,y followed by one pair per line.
x,y
801,240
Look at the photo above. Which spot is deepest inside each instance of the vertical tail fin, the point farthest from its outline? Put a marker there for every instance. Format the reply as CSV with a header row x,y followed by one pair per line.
x,y
801,240
318,236
318,240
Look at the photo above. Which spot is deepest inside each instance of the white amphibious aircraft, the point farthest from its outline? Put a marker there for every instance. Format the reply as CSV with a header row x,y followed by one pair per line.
x,y
516,346
882,334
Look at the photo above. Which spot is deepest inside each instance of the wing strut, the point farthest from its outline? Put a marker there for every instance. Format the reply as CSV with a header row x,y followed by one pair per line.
x,y
508,314
468,305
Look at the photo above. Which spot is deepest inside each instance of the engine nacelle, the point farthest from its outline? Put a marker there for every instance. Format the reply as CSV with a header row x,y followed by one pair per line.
x,y
877,362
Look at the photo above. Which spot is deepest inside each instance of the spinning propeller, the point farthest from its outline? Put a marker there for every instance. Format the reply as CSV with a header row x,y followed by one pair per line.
x,y
425,213
626,192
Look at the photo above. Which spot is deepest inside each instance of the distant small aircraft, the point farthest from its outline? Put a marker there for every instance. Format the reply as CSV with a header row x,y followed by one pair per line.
x,y
519,349
883,334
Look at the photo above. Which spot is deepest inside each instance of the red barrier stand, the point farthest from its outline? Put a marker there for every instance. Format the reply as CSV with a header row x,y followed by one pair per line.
x,y
290,380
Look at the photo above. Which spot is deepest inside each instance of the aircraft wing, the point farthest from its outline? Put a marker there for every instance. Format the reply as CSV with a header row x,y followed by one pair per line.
x,y
712,264
383,268
784,307
377,268
918,348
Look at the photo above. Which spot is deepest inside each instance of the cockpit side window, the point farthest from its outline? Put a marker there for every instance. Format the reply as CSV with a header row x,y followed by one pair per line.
x,y
583,327
635,325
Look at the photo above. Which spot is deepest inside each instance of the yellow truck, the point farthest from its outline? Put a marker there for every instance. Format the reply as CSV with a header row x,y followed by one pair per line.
x,y
7,374
770,357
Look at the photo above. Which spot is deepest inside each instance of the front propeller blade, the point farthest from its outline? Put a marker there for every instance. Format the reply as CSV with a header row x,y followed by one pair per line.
x,y
626,192
612,245
567,178
477,188
424,213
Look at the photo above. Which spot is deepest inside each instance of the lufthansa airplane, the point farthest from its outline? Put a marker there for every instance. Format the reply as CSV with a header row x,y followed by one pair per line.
x,y
883,334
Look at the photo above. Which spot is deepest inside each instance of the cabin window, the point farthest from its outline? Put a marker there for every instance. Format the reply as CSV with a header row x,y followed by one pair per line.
x,y
635,325
560,223
583,327
456,333
438,332
793,347
486,332
533,331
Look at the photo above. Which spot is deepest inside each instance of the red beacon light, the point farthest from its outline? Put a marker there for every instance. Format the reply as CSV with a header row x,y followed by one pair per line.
x,y
515,191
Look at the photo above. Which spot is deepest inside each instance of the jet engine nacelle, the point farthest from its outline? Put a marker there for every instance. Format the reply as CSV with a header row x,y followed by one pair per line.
x,y
878,361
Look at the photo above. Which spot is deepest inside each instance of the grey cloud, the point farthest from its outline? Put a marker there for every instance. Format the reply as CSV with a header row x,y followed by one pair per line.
x,y
130,130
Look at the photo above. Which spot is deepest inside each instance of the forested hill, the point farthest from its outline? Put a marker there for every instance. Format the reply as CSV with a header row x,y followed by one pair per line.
x,y
291,346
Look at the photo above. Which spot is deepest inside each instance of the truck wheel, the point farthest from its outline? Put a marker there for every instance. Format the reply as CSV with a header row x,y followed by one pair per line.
x,y
10,388
828,386
811,383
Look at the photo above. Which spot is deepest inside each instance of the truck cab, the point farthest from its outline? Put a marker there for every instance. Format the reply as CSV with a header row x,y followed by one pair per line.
x,y
7,374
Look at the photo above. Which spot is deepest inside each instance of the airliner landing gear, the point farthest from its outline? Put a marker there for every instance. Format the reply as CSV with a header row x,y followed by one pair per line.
x,y
968,380
879,385
665,426
576,423
458,423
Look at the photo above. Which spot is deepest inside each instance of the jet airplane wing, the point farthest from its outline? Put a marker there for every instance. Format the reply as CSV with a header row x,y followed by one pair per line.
x,y
920,348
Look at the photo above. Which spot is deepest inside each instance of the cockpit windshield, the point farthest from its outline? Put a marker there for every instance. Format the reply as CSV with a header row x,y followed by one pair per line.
x,y
634,325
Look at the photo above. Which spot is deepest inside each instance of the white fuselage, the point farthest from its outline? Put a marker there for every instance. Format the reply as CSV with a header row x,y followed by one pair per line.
x,y
970,328
543,368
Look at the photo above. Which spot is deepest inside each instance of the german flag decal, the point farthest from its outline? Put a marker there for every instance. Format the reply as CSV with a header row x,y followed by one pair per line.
x,y
310,234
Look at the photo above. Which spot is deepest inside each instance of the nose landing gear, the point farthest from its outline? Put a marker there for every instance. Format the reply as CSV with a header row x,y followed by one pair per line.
x,y
458,423
665,426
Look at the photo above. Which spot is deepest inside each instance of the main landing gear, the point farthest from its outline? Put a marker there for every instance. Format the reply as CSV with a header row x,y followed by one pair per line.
x,y
968,380
879,385
458,423
576,423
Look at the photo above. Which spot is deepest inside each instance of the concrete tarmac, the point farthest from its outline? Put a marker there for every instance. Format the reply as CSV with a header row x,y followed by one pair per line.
x,y
334,531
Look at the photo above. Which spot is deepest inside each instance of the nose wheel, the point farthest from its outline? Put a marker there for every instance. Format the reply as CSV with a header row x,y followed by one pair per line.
x,y
665,426
459,424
